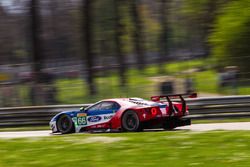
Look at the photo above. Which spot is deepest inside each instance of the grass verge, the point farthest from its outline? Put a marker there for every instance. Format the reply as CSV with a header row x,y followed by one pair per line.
x,y
177,148
25,128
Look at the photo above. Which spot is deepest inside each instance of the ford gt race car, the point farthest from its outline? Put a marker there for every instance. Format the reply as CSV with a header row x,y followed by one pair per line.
x,y
125,114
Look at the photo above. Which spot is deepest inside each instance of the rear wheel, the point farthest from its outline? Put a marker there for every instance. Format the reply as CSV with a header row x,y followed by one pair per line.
x,y
65,124
169,125
130,122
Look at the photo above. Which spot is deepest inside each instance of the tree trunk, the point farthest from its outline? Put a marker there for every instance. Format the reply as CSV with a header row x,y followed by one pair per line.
x,y
89,56
138,35
209,19
55,39
118,41
164,36
36,41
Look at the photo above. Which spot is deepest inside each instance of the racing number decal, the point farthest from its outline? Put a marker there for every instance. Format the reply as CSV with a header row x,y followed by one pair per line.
x,y
82,119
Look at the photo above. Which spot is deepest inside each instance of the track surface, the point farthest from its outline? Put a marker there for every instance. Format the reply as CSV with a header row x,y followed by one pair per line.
x,y
194,127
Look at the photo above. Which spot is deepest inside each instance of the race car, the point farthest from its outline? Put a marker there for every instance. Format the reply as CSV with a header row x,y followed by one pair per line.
x,y
126,114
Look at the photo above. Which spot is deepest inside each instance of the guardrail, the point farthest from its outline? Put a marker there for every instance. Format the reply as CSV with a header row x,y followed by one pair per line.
x,y
200,108
32,116
219,107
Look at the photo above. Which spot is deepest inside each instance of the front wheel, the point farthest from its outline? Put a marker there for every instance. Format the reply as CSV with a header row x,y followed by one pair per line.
x,y
65,124
130,122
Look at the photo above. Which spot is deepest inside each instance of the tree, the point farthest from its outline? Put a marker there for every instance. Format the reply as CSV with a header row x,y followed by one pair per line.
x,y
118,41
36,40
5,47
163,42
200,18
138,34
60,35
89,56
231,37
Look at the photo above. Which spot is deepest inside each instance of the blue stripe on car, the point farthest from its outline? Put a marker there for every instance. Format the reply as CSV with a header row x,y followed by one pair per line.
x,y
99,112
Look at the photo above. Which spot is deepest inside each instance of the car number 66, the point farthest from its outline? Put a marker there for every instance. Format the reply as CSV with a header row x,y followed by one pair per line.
x,y
81,121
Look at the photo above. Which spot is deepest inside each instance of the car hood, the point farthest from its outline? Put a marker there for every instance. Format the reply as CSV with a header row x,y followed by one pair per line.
x,y
69,113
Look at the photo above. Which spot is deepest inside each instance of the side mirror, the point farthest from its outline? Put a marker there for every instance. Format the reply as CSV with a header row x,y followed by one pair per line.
x,y
82,109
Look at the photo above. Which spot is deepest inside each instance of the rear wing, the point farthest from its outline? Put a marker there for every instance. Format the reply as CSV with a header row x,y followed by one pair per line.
x,y
174,96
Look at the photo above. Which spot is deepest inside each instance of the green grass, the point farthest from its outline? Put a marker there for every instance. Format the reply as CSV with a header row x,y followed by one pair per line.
x,y
140,84
244,90
24,128
173,67
75,90
206,81
226,120
161,149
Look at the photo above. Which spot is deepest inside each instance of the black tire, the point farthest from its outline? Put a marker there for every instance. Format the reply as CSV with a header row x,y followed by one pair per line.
x,y
131,122
65,124
169,125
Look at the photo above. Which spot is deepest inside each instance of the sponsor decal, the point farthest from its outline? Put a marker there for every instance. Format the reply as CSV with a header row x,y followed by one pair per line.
x,y
81,115
100,126
74,119
94,126
81,120
158,116
163,111
94,119
97,126
107,117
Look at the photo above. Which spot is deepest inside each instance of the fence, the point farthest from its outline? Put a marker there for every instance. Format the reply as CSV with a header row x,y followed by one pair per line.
x,y
200,108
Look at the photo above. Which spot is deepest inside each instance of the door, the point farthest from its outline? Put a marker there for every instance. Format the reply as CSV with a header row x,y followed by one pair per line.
x,y
101,112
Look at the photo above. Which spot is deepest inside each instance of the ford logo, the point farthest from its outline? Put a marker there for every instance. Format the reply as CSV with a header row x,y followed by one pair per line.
x,y
94,119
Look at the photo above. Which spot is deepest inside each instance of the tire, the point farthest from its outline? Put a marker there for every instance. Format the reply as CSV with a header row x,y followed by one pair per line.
x,y
131,122
169,125
65,124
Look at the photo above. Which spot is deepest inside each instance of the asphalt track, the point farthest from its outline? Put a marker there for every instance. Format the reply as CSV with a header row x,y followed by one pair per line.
x,y
194,127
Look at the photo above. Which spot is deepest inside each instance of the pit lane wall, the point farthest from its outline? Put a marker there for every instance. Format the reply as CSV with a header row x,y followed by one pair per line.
x,y
199,108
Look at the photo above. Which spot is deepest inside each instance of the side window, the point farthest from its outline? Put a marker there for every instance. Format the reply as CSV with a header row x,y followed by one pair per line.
x,y
105,106
95,107
108,105
115,106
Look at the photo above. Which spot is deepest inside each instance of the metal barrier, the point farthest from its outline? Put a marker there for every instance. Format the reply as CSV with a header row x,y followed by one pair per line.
x,y
200,108
219,107
32,116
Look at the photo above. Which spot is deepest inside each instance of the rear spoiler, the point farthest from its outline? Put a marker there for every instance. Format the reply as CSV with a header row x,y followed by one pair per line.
x,y
174,96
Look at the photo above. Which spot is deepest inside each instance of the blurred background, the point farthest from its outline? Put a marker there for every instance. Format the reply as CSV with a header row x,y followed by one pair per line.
x,y
80,51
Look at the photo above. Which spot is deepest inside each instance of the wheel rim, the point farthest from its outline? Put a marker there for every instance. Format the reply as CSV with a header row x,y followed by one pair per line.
x,y
64,124
130,121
